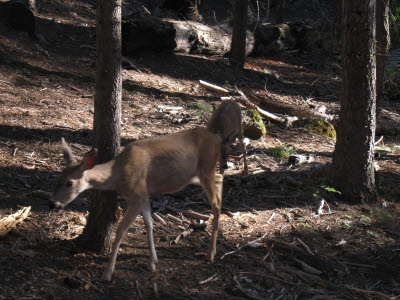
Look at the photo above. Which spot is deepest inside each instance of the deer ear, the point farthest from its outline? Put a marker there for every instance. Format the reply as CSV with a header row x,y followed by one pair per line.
x,y
68,156
89,160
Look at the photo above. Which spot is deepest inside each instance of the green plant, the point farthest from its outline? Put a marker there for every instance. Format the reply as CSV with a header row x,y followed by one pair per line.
x,y
322,190
390,73
380,215
366,221
390,241
330,189
372,233
283,151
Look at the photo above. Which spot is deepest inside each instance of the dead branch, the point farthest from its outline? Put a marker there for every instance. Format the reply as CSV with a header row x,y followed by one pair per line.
x,y
138,289
213,87
299,112
374,293
378,141
195,215
10,222
247,103
210,279
293,181
248,293
248,244
308,268
287,246
183,234
175,219
305,276
305,246
157,218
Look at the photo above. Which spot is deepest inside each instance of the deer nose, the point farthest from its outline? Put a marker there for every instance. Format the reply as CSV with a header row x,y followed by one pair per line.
x,y
55,206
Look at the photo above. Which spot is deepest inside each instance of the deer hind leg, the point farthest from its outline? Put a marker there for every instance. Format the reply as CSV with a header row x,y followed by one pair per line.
x,y
208,183
148,222
131,213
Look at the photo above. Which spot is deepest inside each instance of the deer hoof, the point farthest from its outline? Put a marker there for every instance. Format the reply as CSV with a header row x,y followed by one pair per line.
x,y
106,276
211,255
152,266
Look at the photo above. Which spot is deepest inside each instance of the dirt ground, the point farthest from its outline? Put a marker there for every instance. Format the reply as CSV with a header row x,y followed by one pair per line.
x,y
277,240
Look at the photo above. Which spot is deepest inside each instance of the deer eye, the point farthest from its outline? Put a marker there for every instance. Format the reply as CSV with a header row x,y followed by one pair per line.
x,y
69,183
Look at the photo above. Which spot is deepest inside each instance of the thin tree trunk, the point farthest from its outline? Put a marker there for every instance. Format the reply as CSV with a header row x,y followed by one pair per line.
x,y
382,49
97,234
353,160
238,45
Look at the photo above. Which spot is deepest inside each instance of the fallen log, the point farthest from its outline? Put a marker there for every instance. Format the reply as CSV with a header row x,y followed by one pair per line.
x,y
10,222
298,111
146,33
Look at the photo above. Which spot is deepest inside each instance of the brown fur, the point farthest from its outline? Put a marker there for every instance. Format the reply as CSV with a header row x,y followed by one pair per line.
x,y
147,167
226,122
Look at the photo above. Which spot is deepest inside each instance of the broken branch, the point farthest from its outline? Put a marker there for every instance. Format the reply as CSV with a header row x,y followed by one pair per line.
x,y
195,215
213,87
10,222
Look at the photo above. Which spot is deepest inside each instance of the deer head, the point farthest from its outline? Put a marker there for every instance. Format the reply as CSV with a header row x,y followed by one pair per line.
x,y
72,181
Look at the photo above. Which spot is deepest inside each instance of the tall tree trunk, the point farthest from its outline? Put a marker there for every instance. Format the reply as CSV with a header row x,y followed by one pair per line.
x,y
238,45
353,159
282,11
382,49
97,234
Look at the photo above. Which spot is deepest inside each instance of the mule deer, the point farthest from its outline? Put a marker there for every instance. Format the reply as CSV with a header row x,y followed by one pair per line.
x,y
147,167
226,122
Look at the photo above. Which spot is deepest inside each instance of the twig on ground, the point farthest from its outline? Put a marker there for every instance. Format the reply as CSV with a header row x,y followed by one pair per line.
x,y
293,181
248,244
157,218
182,235
155,290
307,267
247,292
10,222
213,87
305,276
175,219
195,215
138,289
269,252
305,246
378,141
374,293
287,246
88,282
210,279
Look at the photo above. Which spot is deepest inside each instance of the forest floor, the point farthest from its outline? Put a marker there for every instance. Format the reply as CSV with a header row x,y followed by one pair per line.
x,y
276,242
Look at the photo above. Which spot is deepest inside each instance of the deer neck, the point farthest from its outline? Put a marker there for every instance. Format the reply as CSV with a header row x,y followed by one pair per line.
x,y
101,177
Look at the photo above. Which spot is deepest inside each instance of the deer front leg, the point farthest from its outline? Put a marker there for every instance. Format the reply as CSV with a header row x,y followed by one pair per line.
x,y
130,216
244,151
208,184
148,222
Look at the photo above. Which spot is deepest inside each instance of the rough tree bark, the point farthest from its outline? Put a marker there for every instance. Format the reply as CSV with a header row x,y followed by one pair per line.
x,y
382,49
353,159
97,234
238,45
